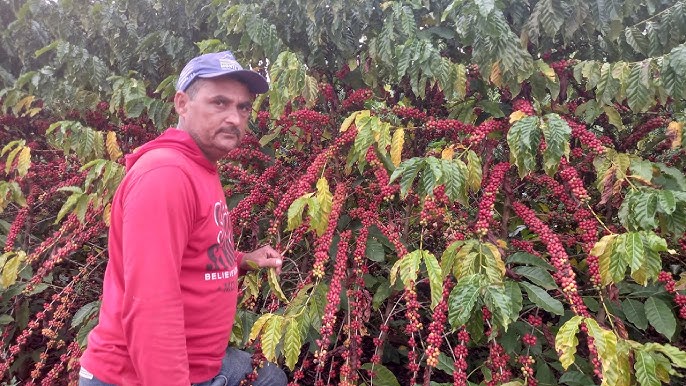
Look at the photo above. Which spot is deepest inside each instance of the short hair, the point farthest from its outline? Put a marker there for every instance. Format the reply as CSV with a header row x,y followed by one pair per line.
x,y
196,85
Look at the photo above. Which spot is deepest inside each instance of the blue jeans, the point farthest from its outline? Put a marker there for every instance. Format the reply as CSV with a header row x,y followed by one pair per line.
x,y
235,366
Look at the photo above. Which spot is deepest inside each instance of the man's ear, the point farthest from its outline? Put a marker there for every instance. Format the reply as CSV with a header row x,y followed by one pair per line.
x,y
181,100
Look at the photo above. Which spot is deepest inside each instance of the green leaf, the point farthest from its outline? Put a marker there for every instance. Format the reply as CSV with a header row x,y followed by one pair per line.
x,y
408,169
638,87
523,138
454,178
538,276
660,316
575,378
542,299
84,313
67,206
645,209
666,201
295,211
375,251
529,259
448,258
677,356
633,248
445,363
6,319
566,341
433,270
474,171
619,259
635,313
515,293
382,375
407,267
292,342
498,301
556,132
645,369
463,298
431,174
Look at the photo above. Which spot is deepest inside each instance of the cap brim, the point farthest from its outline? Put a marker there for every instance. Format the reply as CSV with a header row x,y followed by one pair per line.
x,y
256,83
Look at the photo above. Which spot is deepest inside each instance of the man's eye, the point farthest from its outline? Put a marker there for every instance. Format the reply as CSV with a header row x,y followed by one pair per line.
x,y
246,108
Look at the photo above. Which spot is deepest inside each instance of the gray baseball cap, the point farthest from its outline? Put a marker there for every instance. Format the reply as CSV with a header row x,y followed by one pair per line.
x,y
219,64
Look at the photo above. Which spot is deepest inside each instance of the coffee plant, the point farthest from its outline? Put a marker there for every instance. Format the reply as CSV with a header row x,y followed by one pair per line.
x,y
465,192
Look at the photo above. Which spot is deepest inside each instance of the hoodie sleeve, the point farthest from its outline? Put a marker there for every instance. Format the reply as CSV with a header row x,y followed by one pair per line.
x,y
158,215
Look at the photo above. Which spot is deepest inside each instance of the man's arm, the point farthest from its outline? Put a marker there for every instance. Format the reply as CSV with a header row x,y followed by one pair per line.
x,y
157,218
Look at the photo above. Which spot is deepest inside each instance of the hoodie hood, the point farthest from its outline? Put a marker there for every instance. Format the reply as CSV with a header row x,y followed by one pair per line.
x,y
175,139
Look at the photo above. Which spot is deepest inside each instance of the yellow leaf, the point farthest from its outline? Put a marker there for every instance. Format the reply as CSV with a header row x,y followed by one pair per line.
x,y
292,342
349,121
517,115
448,153
10,271
271,337
397,146
24,161
496,74
566,341
675,130
546,70
112,146
24,103
603,249
320,219
258,325
274,285
106,213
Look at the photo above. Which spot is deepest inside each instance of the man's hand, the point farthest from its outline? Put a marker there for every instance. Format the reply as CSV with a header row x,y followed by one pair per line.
x,y
264,257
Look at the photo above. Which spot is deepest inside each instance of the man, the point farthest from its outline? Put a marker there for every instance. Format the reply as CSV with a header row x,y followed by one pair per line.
x,y
169,293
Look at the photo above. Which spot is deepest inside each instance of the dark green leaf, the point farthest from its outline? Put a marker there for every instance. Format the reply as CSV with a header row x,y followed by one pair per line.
x,y
635,313
542,299
529,259
383,376
538,276
374,250
660,316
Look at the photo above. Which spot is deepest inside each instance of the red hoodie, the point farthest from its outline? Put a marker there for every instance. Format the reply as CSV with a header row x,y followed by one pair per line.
x,y
169,294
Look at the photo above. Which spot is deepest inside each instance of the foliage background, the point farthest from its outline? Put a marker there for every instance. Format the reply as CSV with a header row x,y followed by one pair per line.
x,y
428,135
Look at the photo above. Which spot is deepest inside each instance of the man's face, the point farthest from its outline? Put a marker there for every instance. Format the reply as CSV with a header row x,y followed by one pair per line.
x,y
216,116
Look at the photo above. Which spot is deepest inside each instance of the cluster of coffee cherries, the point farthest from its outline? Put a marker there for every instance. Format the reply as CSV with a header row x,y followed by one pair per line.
x,y
642,130
357,98
524,106
670,286
333,299
408,113
565,276
461,353
497,362
571,177
588,139
490,190
485,128
437,326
